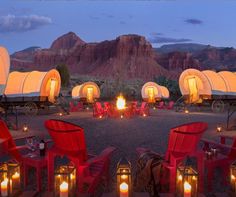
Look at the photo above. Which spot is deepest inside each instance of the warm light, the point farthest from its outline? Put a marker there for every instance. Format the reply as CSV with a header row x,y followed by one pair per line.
x,y
72,176
219,129
16,176
144,115
187,189
124,190
87,108
25,128
52,90
4,187
60,114
180,178
64,189
151,98
100,116
186,111
194,178
121,116
233,178
90,94
120,103
124,177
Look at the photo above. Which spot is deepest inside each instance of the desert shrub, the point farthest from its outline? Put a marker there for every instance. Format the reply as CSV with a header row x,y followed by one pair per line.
x,y
64,73
172,86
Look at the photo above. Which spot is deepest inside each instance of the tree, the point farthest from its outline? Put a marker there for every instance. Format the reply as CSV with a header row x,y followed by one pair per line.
x,y
64,73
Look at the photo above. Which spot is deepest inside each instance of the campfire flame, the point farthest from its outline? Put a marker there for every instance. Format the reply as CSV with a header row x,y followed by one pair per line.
x,y
120,102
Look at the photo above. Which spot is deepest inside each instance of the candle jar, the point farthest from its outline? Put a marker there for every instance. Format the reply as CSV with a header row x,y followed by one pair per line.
x,y
3,180
186,181
214,152
65,181
14,178
209,155
233,178
123,177
219,128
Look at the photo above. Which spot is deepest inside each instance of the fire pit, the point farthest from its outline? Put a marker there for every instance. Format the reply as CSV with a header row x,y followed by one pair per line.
x,y
121,105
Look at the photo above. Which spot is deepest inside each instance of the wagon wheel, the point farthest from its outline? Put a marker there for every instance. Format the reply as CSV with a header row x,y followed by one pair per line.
x,y
217,106
31,109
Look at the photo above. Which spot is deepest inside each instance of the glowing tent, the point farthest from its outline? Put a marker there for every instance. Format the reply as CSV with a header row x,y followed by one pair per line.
x,y
199,85
88,90
4,68
152,91
45,85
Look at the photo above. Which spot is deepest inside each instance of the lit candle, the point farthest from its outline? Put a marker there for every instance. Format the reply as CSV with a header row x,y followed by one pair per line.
x,y
144,115
218,128
233,181
64,189
124,190
124,176
16,178
187,189
4,188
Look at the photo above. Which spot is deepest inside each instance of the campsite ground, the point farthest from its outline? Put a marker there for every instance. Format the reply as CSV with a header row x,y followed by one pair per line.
x,y
126,134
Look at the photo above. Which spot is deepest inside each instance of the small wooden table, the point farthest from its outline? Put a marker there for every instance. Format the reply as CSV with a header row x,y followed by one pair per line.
x,y
34,160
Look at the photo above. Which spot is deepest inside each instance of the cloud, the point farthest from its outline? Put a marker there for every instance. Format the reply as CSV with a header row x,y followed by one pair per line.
x,y
12,23
160,40
193,21
156,34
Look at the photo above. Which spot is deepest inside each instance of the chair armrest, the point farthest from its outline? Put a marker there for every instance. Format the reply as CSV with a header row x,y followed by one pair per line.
x,y
21,138
208,143
223,138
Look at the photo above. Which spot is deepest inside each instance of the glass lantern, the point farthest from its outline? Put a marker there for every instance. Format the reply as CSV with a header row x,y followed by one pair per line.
x,y
233,177
123,176
14,178
186,181
65,181
4,180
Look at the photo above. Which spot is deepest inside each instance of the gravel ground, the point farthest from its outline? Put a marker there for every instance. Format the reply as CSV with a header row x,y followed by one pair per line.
x,y
126,134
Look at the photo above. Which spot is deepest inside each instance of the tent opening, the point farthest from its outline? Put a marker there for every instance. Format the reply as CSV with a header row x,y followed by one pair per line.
x,y
51,97
193,90
151,98
90,93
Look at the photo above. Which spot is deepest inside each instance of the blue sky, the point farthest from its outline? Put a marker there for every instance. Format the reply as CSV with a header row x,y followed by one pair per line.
x,y
25,23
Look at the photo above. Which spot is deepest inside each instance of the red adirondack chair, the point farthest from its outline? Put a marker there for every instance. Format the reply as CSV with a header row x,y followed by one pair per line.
x,y
183,142
8,143
161,105
226,155
69,141
98,110
143,110
170,105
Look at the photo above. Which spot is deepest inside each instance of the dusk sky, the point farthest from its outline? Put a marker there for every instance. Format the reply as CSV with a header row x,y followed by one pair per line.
x,y
25,23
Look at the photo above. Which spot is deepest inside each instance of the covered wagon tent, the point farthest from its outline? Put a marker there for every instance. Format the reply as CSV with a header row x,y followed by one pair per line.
x,y
31,89
198,86
88,91
151,92
4,68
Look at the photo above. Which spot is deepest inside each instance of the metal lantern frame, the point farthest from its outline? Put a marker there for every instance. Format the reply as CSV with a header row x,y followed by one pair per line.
x,y
65,181
233,177
186,181
123,175
10,178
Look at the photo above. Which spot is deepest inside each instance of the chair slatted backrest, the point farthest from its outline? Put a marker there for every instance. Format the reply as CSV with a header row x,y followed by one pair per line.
x,y
67,136
232,152
184,138
5,134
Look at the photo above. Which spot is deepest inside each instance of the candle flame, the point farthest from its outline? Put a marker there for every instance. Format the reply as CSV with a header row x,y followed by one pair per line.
x,y
120,102
180,178
124,187
233,178
187,186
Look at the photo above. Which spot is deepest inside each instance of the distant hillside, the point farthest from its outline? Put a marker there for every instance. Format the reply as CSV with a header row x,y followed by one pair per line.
x,y
126,57
182,47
